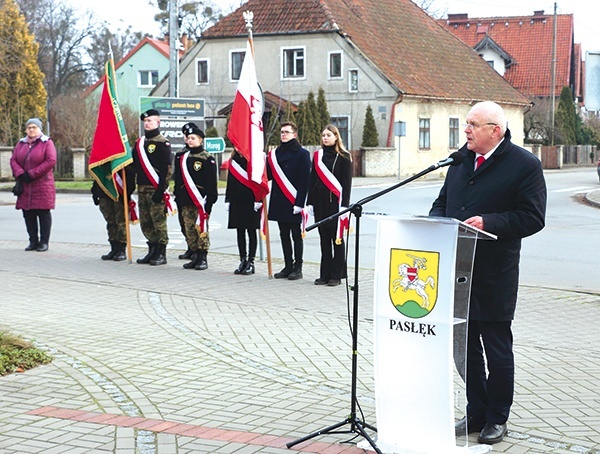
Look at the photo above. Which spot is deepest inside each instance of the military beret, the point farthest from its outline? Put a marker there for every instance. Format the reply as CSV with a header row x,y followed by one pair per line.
x,y
192,128
150,113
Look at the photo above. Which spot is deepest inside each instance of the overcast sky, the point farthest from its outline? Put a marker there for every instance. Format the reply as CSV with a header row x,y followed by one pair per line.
x,y
140,14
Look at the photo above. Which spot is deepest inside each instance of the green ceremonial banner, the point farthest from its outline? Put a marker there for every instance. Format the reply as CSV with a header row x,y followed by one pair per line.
x,y
110,149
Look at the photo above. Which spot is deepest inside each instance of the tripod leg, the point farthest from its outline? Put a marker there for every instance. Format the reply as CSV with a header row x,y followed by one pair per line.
x,y
361,430
316,434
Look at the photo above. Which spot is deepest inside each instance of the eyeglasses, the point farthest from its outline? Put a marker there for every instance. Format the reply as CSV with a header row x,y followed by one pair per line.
x,y
475,125
287,132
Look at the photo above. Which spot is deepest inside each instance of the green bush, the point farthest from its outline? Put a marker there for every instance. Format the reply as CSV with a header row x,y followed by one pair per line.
x,y
17,354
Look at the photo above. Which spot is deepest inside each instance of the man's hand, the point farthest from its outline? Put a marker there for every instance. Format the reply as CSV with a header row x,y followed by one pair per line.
x,y
297,210
475,221
257,206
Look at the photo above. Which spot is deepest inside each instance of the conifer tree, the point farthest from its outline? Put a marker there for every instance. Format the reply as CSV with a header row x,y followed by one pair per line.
x,y
323,117
272,131
566,123
312,131
370,137
22,93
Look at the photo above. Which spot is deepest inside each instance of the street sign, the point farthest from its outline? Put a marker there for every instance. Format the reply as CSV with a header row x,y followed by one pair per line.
x,y
173,107
214,144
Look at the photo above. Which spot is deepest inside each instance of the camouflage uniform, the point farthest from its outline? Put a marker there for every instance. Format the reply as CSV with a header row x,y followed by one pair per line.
x,y
114,215
153,217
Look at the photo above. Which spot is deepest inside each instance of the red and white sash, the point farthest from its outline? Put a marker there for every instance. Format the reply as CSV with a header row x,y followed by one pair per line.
x,y
194,193
286,186
133,213
238,172
332,183
152,175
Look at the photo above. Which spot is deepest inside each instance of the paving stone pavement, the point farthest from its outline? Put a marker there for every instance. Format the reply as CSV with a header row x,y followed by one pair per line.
x,y
166,360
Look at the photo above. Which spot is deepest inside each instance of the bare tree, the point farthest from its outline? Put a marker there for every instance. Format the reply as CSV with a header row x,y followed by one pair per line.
x,y
121,42
194,17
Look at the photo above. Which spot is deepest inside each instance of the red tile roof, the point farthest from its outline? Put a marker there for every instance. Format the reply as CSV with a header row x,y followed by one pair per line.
x,y
410,48
528,40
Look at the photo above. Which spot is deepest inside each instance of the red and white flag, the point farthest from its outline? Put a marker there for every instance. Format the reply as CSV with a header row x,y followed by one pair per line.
x,y
245,128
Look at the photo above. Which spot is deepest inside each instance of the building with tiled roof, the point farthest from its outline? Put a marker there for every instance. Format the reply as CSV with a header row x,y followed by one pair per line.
x,y
521,49
138,72
388,54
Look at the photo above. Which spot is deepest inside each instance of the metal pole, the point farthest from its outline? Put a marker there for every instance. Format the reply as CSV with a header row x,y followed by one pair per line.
x,y
553,88
173,49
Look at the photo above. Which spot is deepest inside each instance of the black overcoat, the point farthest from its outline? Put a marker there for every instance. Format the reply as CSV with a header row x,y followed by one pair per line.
x,y
509,192
241,200
295,163
203,170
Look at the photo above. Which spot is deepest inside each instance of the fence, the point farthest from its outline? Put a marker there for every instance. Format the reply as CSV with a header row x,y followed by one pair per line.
x,y
556,157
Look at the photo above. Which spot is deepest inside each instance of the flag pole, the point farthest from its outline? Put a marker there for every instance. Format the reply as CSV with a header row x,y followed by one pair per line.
x,y
126,212
249,17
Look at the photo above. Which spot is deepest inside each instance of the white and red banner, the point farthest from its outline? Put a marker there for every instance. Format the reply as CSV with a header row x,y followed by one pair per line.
x,y
194,193
332,183
153,175
245,128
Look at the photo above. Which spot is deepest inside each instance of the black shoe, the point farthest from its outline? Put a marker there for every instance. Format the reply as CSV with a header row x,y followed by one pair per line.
x,y
241,267
186,255
32,246
492,434
249,269
120,253
460,428
284,273
295,275
111,254
42,247
321,281
202,262
160,256
151,251
334,282
195,258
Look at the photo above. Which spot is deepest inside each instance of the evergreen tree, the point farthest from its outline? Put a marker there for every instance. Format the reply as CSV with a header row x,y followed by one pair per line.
x,y
312,131
301,120
211,132
566,125
370,138
22,93
323,117
272,131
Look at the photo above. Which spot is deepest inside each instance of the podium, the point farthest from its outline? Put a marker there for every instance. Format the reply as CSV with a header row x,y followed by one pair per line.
x,y
423,268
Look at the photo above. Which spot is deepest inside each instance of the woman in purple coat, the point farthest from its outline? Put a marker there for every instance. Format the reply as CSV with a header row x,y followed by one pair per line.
x,y
32,163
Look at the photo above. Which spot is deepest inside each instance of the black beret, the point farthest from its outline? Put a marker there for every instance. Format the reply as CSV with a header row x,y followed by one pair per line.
x,y
150,113
192,128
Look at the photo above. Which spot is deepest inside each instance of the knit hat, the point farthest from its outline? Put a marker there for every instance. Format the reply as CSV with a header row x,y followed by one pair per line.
x,y
34,121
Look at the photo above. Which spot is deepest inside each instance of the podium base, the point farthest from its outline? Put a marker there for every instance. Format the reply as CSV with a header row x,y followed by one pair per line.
x,y
476,449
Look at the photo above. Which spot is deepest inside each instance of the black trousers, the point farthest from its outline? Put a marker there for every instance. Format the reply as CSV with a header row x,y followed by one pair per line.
x,y
490,393
287,233
32,218
333,259
252,243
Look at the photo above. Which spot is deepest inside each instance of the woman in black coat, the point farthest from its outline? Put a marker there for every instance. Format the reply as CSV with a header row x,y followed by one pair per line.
x,y
328,191
244,211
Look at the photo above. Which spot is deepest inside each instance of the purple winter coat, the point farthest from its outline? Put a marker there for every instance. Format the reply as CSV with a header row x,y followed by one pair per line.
x,y
39,194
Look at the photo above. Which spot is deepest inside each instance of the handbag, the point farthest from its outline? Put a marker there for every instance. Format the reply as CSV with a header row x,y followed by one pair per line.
x,y
17,188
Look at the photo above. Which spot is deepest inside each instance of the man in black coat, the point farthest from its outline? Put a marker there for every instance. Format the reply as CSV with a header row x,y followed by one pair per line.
x,y
289,168
499,188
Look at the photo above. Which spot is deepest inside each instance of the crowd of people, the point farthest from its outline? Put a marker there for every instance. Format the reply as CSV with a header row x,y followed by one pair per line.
x,y
300,186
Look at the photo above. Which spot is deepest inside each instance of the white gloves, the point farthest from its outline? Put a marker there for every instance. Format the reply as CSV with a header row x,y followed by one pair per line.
x,y
311,210
297,210
257,206
226,206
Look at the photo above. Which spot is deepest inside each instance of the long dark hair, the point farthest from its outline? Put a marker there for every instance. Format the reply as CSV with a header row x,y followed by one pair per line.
x,y
339,143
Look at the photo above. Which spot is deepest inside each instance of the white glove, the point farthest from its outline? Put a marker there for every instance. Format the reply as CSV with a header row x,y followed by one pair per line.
x,y
226,206
311,210
257,206
297,210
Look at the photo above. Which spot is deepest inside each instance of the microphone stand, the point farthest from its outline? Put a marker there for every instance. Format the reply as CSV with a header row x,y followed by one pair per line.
x,y
356,425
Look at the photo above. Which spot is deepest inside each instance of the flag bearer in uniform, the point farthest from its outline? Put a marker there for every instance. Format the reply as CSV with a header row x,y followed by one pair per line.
x,y
113,212
152,156
196,193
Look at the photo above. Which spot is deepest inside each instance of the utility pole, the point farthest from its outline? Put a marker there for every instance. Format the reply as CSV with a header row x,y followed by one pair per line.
x,y
173,49
553,88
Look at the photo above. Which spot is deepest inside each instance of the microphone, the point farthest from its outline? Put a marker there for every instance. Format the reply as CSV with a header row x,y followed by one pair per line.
x,y
454,159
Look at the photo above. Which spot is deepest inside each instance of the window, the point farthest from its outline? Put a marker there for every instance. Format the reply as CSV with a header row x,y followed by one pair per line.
x,y
342,124
148,78
453,133
237,60
424,134
293,63
353,80
335,65
202,71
